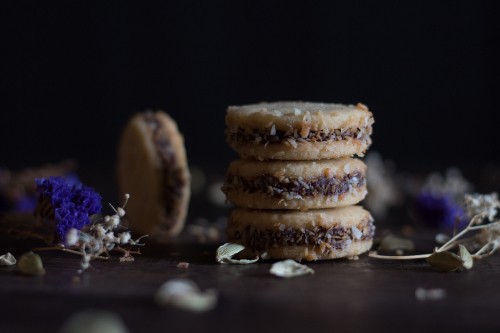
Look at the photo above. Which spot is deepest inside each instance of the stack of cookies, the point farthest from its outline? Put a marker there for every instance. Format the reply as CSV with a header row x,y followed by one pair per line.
x,y
296,183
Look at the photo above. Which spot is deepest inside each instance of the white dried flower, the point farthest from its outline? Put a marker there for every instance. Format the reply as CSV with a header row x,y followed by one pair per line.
x,y
100,231
482,204
112,221
124,237
99,238
110,236
120,211
72,237
453,183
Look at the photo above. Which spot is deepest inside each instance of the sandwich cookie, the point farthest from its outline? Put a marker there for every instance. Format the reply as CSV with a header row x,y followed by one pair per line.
x,y
152,167
298,130
298,185
309,235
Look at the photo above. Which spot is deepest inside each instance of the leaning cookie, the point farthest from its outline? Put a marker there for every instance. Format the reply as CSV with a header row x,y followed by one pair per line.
x,y
298,185
152,167
310,235
298,130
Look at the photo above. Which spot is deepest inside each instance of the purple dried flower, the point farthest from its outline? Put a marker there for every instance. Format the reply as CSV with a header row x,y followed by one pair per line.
x,y
439,210
87,198
71,204
69,216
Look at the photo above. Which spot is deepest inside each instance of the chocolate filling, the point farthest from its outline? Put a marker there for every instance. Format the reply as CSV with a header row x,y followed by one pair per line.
x,y
296,136
296,188
173,178
327,239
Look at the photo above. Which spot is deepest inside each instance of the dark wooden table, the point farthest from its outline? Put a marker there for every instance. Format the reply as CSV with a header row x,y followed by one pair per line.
x,y
342,296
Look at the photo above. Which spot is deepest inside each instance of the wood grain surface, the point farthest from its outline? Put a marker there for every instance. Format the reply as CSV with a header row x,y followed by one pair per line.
x,y
342,295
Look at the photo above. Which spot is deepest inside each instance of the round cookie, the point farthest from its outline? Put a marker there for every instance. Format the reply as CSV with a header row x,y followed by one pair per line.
x,y
298,185
298,130
152,167
310,235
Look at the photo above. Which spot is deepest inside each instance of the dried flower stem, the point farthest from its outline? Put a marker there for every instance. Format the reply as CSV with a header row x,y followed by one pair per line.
x,y
64,249
454,241
374,254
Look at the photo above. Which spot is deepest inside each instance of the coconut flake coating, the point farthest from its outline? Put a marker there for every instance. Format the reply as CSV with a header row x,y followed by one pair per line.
x,y
298,130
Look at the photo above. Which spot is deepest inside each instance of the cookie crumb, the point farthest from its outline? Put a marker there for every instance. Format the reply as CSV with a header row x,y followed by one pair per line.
x,y
432,294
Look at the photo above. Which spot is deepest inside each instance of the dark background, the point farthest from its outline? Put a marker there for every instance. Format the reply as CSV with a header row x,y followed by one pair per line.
x,y
73,72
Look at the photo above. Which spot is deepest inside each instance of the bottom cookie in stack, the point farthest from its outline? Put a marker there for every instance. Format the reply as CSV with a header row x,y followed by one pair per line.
x,y
302,235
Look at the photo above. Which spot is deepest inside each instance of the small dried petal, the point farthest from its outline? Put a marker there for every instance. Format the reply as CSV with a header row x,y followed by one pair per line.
x,y
289,268
31,264
185,294
468,262
7,259
227,251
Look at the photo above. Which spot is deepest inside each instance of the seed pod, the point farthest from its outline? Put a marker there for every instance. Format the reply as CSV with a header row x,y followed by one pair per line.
x,y
31,264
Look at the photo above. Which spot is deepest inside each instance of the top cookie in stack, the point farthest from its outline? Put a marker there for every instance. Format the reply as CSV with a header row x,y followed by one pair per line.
x,y
298,130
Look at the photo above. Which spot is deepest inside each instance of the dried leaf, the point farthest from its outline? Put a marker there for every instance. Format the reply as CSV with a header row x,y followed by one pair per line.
x,y
227,251
185,294
30,264
465,256
7,259
392,243
289,268
445,261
